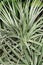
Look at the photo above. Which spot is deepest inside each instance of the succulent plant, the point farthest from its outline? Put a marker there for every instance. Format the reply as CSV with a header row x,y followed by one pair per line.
x,y
21,32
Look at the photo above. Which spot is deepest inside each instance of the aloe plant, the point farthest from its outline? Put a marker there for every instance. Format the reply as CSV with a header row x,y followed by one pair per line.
x,y
21,33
